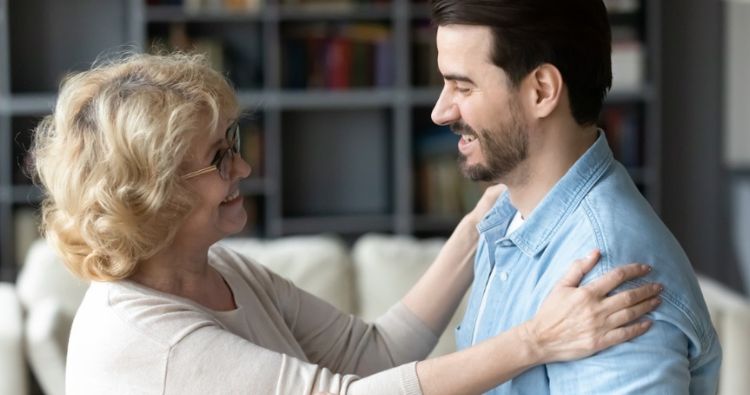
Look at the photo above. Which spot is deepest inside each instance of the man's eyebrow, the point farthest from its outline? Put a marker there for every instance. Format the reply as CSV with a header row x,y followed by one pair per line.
x,y
458,77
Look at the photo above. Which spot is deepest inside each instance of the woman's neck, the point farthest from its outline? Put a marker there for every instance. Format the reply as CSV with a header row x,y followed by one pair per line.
x,y
187,274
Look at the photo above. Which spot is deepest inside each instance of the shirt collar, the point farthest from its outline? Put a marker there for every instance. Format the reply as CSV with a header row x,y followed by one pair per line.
x,y
534,235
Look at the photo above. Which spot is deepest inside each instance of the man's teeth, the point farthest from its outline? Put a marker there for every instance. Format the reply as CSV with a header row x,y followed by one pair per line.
x,y
469,138
231,197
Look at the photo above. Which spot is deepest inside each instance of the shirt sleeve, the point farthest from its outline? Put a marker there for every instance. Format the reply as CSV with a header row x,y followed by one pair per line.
x,y
210,360
657,362
343,342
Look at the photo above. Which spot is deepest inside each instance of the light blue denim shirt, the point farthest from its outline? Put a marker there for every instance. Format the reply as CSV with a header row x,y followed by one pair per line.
x,y
595,205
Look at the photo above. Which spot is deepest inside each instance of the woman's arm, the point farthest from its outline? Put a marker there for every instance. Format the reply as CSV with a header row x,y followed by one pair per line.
x,y
452,271
572,323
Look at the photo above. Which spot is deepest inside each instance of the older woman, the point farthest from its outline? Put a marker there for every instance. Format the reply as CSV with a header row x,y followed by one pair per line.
x,y
141,167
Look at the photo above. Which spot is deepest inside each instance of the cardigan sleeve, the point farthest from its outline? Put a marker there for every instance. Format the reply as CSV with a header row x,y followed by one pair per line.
x,y
212,360
343,342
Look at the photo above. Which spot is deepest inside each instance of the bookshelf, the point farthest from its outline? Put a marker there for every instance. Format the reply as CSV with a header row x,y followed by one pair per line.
x,y
339,94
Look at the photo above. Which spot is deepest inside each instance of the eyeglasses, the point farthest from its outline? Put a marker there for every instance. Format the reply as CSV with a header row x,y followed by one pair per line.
x,y
224,159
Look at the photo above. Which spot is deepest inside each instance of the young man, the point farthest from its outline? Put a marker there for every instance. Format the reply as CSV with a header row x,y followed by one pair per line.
x,y
524,86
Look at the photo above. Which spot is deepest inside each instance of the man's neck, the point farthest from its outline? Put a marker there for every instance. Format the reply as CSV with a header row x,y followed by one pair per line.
x,y
550,157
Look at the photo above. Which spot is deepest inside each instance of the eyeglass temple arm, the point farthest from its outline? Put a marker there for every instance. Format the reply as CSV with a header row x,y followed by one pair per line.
x,y
199,172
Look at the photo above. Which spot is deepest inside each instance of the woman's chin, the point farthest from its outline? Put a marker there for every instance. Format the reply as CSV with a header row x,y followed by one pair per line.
x,y
237,224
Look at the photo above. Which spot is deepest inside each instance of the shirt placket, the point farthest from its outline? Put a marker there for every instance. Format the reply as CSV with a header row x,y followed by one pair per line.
x,y
497,304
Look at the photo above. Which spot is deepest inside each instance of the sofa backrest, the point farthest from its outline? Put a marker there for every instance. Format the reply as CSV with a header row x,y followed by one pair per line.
x,y
379,272
44,276
12,364
730,314
319,265
385,268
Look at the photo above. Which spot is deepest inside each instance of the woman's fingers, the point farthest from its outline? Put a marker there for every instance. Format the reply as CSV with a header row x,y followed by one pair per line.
x,y
623,334
632,313
614,278
578,270
575,322
628,298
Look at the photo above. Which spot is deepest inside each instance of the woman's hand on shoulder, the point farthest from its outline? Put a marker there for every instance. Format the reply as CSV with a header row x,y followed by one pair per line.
x,y
577,321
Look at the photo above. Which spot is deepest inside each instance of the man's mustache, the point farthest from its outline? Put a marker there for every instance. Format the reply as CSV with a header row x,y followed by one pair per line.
x,y
462,128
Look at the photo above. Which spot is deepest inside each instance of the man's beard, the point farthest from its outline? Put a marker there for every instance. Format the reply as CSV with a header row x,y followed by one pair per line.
x,y
503,149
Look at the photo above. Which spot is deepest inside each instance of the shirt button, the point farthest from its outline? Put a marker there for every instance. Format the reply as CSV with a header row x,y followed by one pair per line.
x,y
504,276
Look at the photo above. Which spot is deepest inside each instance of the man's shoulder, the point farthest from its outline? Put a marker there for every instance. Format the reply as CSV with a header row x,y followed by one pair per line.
x,y
618,213
626,229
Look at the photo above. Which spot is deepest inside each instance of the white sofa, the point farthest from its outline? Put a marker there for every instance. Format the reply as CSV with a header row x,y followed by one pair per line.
x,y
12,363
365,281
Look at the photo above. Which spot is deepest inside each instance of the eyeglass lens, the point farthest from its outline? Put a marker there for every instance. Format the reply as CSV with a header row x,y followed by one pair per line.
x,y
225,165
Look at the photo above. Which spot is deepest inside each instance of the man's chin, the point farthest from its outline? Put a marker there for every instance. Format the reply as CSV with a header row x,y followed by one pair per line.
x,y
477,172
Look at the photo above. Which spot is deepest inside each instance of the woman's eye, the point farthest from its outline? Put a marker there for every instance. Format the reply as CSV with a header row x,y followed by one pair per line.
x,y
215,160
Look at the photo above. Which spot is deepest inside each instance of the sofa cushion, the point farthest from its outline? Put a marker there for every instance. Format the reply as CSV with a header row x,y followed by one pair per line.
x,y
730,314
44,276
386,267
12,364
47,332
318,264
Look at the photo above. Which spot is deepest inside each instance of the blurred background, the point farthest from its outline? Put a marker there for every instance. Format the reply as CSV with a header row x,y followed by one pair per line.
x,y
339,94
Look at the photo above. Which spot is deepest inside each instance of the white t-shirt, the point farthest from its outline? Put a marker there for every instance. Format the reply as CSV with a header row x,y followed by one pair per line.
x,y
515,223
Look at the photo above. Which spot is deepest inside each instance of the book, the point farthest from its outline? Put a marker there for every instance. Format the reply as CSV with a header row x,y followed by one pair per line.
x,y
219,6
384,64
337,56
338,63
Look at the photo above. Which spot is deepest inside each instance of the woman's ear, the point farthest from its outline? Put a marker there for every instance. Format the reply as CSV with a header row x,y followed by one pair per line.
x,y
544,87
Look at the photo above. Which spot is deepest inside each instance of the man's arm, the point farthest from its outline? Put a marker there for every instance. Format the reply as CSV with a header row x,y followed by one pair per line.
x,y
657,362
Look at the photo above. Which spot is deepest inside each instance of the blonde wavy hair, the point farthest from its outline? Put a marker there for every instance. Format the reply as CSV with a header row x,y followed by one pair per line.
x,y
110,157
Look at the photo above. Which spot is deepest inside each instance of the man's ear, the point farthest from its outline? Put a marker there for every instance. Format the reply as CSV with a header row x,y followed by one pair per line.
x,y
544,88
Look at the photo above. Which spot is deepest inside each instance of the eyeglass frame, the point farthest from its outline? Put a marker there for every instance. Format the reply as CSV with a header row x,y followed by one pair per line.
x,y
219,161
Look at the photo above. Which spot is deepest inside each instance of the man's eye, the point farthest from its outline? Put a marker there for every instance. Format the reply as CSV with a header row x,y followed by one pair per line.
x,y
463,90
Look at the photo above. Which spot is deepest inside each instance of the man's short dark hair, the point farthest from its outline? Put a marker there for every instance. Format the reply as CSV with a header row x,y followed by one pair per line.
x,y
572,35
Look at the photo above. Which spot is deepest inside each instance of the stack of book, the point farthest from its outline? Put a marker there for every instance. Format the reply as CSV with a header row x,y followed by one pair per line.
x,y
211,6
344,56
